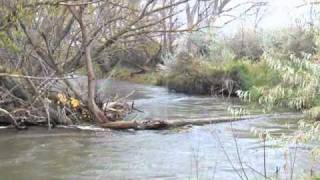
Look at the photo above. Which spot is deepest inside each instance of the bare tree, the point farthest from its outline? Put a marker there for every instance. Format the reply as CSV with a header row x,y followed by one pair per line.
x,y
51,39
52,44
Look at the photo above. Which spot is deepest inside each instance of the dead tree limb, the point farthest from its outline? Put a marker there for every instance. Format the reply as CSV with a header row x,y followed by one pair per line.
x,y
12,119
166,124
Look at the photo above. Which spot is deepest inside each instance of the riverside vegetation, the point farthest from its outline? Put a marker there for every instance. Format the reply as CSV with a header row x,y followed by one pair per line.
x,y
44,43
279,70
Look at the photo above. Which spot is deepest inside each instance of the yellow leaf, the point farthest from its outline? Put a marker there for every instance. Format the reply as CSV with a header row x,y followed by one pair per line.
x,y
62,98
74,102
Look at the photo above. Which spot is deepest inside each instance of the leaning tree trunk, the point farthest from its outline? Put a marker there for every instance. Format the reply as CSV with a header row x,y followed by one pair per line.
x,y
95,110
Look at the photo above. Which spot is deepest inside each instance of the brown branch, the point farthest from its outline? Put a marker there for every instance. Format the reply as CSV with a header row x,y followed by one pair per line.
x,y
12,119
60,3
126,29
34,77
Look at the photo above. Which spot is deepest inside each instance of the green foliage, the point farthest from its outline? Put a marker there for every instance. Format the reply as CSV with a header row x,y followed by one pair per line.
x,y
285,74
188,77
200,76
240,72
262,75
313,113
6,42
293,83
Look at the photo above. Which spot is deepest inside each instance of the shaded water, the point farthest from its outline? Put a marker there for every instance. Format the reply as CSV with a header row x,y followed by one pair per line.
x,y
199,152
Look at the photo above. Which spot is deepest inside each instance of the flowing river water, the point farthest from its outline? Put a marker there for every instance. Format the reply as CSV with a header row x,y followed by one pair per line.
x,y
197,152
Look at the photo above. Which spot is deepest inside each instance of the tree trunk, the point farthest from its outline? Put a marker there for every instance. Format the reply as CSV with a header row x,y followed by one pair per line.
x,y
95,110
166,124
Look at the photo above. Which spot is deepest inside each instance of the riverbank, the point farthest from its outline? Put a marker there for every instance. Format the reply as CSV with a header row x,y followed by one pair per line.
x,y
200,76
277,80
152,77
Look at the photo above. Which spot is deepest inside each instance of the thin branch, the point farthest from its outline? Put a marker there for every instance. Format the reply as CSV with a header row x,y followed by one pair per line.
x,y
12,119
35,77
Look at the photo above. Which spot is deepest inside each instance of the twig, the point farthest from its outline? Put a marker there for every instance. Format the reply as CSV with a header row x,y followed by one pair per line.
x,y
238,153
293,161
136,109
227,156
35,77
254,170
264,155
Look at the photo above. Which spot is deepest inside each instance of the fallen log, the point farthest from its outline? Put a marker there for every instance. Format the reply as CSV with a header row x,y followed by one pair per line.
x,y
137,125
166,124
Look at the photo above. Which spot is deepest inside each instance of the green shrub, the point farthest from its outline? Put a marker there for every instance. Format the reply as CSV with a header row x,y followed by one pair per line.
x,y
187,77
262,75
198,76
313,113
291,82
239,71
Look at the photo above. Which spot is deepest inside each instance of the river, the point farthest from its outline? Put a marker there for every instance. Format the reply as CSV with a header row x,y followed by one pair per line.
x,y
198,152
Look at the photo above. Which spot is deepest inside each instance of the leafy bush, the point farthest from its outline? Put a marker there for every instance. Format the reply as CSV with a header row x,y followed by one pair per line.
x,y
313,113
186,76
296,87
198,76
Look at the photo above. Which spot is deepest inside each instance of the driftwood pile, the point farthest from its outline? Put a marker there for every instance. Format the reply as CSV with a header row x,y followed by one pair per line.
x,y
58,108
116,109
